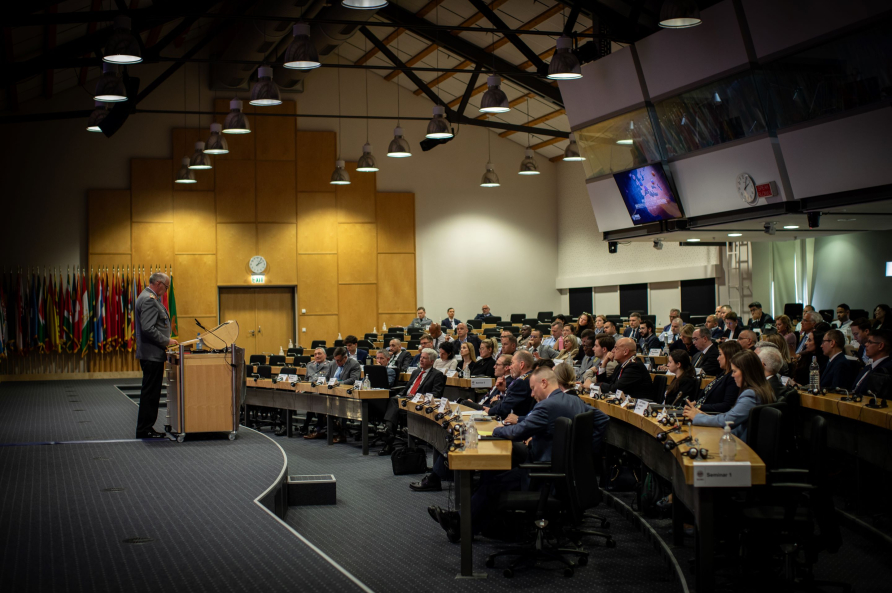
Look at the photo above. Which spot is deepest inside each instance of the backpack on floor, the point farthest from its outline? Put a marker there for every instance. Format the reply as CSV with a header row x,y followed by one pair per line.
x,y
408,460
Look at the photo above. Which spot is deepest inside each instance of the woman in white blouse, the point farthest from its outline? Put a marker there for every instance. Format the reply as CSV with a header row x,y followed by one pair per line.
x,y
447,361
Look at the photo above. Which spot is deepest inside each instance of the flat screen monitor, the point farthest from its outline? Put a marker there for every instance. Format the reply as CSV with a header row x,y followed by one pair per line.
x,y
647,194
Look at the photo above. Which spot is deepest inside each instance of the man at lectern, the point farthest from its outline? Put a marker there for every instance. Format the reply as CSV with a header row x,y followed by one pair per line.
x,y
152,340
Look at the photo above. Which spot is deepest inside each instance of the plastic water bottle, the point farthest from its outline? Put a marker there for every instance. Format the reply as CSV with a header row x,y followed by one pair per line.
x,y
281,352
470,435
290,344
385,328
814,375
366,384
199,345
728,444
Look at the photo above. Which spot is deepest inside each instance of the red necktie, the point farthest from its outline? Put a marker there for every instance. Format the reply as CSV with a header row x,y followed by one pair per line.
x,y
416,384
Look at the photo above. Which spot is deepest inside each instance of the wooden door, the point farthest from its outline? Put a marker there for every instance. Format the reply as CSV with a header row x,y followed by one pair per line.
x,y
275,319
238,304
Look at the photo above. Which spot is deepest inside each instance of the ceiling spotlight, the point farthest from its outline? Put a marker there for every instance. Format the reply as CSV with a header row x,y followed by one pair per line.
x,y
571,153
122,46
814,219
367,162
791,227
216,143
658,244
679,14
185,174
494,99
564,64
693,240
528,165
438,127
735,234
265,92
110,87
770,228
236,122
340,175
490,179
399,146
364,4
199,159
98,115
301,53
629,140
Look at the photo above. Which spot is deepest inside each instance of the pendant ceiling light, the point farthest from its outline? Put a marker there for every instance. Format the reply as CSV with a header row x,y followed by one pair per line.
x,y
340,175
628,140
265,92
301,53
110,86
494,99
399,146
122,46
367,162
438,126
236,122
528,165
571,153
185,174
364,4
564,63
200,160
679,14
216,143
98,115
489,179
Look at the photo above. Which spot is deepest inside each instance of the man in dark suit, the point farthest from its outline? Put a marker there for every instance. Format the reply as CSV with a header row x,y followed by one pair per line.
x,y
772,361
877,347
424,342
484,314
450,322
860,332
425,379
839,372
707,357
758,318
461,336
809,321
633,330
517,399
344,370
152,339
713,326
648,338
630,376
360,356
399,358
537,348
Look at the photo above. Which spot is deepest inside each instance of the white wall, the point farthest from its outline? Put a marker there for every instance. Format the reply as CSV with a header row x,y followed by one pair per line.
x,y
851,269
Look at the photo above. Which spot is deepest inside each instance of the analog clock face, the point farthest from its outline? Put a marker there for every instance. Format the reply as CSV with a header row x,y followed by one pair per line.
x,y
746,188
257,264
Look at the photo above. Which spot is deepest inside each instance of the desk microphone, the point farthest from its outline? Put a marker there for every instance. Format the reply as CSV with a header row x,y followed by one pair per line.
x,y
295,382
873,403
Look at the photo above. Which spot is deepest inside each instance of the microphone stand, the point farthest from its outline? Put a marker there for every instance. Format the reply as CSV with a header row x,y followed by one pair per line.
x,y
873,405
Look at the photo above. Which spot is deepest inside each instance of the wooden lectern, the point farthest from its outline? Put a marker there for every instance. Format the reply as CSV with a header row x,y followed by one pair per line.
x,y
204,388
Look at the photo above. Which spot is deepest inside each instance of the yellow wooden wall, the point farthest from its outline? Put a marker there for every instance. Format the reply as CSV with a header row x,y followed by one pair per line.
x,y
350,250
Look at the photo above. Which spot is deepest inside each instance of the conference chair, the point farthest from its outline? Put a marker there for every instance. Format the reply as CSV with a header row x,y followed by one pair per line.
x,y
338,343
277,360
413,344
377,376
257,359
544,328
366,345
696,320
493,319
661,383
295,351
329,352
317,344
398,329
302,360
531,321
828,314
475,323
492,332
856,314
415,331
518,317
371,337
794,310
392,336
651,318
514,329
501,323
685,315
545,316
584,492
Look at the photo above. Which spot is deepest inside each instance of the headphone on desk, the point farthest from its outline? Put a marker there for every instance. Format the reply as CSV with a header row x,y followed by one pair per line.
x,y
670,444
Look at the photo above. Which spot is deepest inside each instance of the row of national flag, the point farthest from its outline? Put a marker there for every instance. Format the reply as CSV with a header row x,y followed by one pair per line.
x,y
76,312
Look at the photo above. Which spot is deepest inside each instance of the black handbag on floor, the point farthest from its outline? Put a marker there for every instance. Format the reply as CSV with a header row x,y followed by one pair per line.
x,y
408,460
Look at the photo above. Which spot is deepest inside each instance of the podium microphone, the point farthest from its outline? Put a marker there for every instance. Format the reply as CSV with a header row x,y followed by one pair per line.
x,y
198,323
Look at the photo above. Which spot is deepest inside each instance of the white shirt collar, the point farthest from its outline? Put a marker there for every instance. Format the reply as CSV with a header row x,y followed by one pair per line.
x,y
835,355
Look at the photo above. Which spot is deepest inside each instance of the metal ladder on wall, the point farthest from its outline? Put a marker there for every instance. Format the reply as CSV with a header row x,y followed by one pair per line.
x,y
739,274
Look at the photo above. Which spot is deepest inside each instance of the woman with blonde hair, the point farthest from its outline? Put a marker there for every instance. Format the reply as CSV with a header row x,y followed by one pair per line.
x,y
570,349
566,377
467,356
785,329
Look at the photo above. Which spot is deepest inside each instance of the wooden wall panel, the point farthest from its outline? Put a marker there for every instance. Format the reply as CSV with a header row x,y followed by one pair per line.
x,y
357,254
152,244
356,202
396,282
108,213
395,319
317,281
241,146
235,195
183,144
317,229
194,222
318,327
195,284
109,260
276,198
151,190
276,135
278,244
357,309
236,244
316,154
396,222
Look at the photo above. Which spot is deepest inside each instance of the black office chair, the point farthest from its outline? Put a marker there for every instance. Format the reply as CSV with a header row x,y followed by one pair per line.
x,y
398,329
544,328
651,318
371,337
696,320
295,351
329,352
338,343
493,319
585,494
377,376
514,329
277,360
501,323
492,332
794,310
764,433
531,321
415,331
518,317
661,383
475,323
257,359
366,345
827,314
317,344
545,316
302,360
413,345
857,314
391,336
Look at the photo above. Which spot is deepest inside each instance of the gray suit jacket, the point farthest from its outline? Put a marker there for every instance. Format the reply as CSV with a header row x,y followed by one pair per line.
x,y
545,352
315,369
350,373
152,327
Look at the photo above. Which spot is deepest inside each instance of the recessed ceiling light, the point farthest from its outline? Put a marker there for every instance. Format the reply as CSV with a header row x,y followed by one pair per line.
x,y
735,234
845,219
693,240
791,226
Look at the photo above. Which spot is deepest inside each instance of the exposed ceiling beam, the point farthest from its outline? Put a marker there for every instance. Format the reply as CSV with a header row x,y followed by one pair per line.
x,y
426,9
539,120
468,90
571,20
522,47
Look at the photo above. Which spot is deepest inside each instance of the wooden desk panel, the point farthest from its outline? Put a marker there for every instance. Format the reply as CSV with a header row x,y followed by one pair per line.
x,y
859,412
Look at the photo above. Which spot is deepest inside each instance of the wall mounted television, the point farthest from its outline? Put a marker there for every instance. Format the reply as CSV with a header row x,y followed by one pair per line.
x,y
648,195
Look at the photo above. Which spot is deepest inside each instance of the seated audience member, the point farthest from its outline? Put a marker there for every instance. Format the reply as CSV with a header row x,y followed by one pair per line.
x,y
345,370
748,339
840,372
673,315
674,333
537,348
707,357
812,350
525,332
878,346
805,309
758,318
603,345
732,326
447,361
425,379
357,354
610,328
424,343
421,320
466,356
398,358
781,344
882,318
749,376
632,331
587,350
647,337
449,322
772,362
556,338
809,321
461,336
712,324
566,378
571,348
560,317
785,329
318,367
720,315
482,316
437,335
686,385
630,376
584,322
599,324
860,332
722,392
484,366
517,399
509,343
843,319
382,358
580,354
566,332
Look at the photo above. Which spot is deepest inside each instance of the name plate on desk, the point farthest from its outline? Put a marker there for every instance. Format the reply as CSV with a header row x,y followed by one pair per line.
x,y
418,399
451,373
332,381
481,382
641,407
727,474
655,352
282,378
292,378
